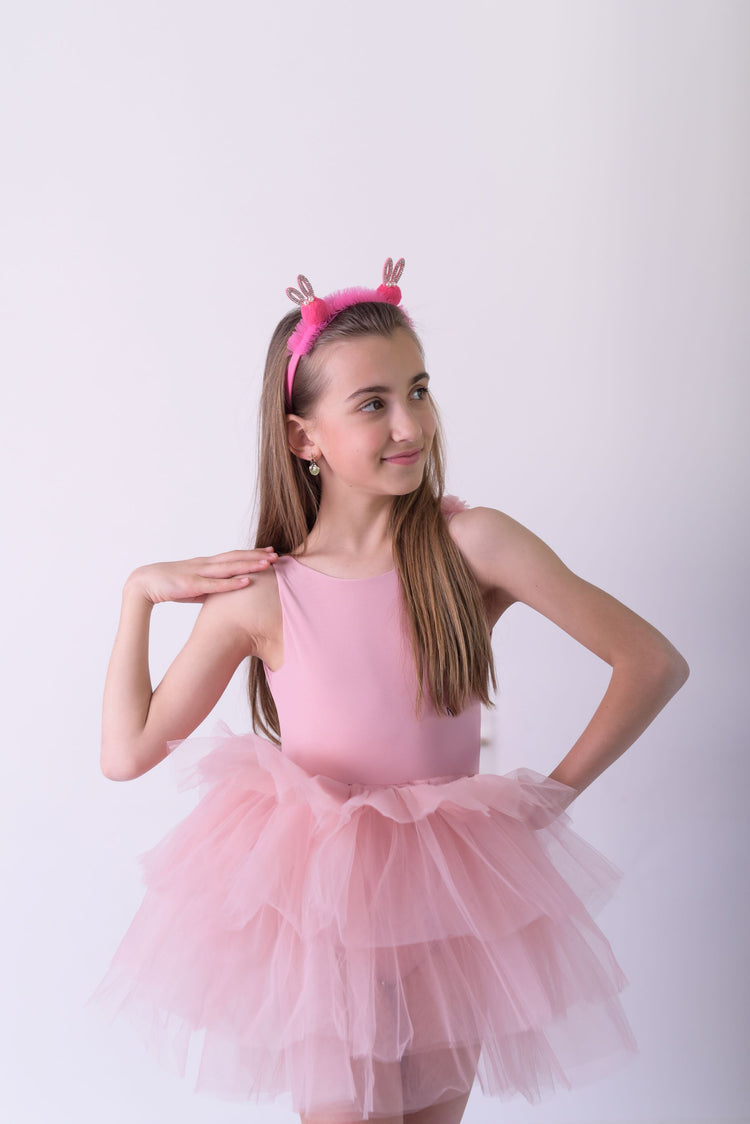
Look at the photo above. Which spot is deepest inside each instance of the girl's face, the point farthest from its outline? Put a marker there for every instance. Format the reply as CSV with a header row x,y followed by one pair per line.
x,y
373,424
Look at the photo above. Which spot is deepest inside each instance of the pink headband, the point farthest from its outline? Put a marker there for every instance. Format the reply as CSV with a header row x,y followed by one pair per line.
x,y
318,312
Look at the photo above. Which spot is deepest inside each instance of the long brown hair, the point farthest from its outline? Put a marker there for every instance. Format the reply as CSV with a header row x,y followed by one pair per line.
x,y
449,631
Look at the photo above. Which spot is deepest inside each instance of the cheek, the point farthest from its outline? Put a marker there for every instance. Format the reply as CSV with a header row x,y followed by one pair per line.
x,y
347,449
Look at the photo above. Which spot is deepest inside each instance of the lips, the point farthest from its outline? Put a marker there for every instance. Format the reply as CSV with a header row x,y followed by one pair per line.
x,y
405,458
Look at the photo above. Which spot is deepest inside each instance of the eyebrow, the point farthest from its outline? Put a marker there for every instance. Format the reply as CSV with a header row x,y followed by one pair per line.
x,y
384,389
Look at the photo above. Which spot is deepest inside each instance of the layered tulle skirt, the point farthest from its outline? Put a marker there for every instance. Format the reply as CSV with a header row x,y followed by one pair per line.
x,y
369,949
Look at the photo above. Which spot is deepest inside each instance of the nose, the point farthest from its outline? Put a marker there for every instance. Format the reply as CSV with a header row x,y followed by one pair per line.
x,y
405,426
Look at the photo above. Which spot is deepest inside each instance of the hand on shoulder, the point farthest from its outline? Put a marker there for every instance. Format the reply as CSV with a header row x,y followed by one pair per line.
x,y
194,579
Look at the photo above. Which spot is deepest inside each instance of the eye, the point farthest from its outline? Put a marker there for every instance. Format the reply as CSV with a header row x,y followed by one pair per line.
x,y
376,402
422,391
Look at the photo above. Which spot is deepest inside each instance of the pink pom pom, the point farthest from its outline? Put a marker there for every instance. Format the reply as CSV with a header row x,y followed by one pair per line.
x,y
315,312
391,294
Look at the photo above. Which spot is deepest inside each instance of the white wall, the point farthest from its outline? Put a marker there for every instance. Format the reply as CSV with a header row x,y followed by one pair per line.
x,y
568,183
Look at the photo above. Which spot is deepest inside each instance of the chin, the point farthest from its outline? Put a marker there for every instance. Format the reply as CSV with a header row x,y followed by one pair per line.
x,y
406,489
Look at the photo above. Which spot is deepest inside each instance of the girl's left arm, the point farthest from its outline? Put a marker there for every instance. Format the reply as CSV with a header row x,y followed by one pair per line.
x,y
646,669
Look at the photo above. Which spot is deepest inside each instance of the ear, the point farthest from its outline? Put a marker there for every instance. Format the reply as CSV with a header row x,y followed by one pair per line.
x,y
298,438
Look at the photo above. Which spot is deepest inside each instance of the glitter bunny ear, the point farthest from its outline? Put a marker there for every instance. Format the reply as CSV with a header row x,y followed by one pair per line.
x,y
391,273
389,290
314,309
306,296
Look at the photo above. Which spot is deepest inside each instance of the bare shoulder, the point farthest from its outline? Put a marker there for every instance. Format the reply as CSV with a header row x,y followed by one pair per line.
x,y
253,613
496,547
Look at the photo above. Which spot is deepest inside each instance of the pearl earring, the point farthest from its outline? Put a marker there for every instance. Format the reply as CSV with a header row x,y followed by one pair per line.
x,y
313,468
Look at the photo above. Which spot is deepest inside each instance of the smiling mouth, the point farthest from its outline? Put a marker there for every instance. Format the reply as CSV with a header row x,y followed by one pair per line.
x,y
409,457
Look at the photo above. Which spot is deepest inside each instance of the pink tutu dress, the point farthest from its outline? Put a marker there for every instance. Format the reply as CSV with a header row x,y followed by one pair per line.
x,y
361,919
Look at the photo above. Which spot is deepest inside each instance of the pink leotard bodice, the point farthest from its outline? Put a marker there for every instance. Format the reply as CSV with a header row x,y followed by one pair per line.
x,y
346,690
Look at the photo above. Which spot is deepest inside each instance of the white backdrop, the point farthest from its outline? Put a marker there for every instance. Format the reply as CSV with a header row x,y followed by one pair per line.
x,y
568,184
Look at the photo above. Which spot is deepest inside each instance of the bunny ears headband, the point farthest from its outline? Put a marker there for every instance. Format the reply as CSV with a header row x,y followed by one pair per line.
x,y
317,312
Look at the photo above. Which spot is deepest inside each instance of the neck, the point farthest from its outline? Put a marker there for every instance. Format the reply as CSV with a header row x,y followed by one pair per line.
x,y
352,527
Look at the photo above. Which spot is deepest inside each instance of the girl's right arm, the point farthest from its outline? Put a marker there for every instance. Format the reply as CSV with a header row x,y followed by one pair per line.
x,y
137,722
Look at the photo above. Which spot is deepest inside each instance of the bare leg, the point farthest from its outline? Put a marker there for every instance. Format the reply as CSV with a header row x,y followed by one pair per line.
x,y
449,1112
387,1077
323,1119
449,1069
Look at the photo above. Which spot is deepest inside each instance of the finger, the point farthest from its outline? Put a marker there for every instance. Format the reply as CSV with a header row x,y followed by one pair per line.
x,y
221,585
241,565
232,555
234,573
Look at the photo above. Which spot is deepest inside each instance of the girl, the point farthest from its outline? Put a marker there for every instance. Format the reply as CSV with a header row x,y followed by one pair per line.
x,y
352,913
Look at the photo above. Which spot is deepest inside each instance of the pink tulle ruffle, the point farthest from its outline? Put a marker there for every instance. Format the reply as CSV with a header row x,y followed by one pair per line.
x,y
367,949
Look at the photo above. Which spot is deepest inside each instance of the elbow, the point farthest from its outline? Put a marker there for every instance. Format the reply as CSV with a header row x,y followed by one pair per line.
x,y
676,669
116,771
668,668
657,667
126,762
681,671
118,766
